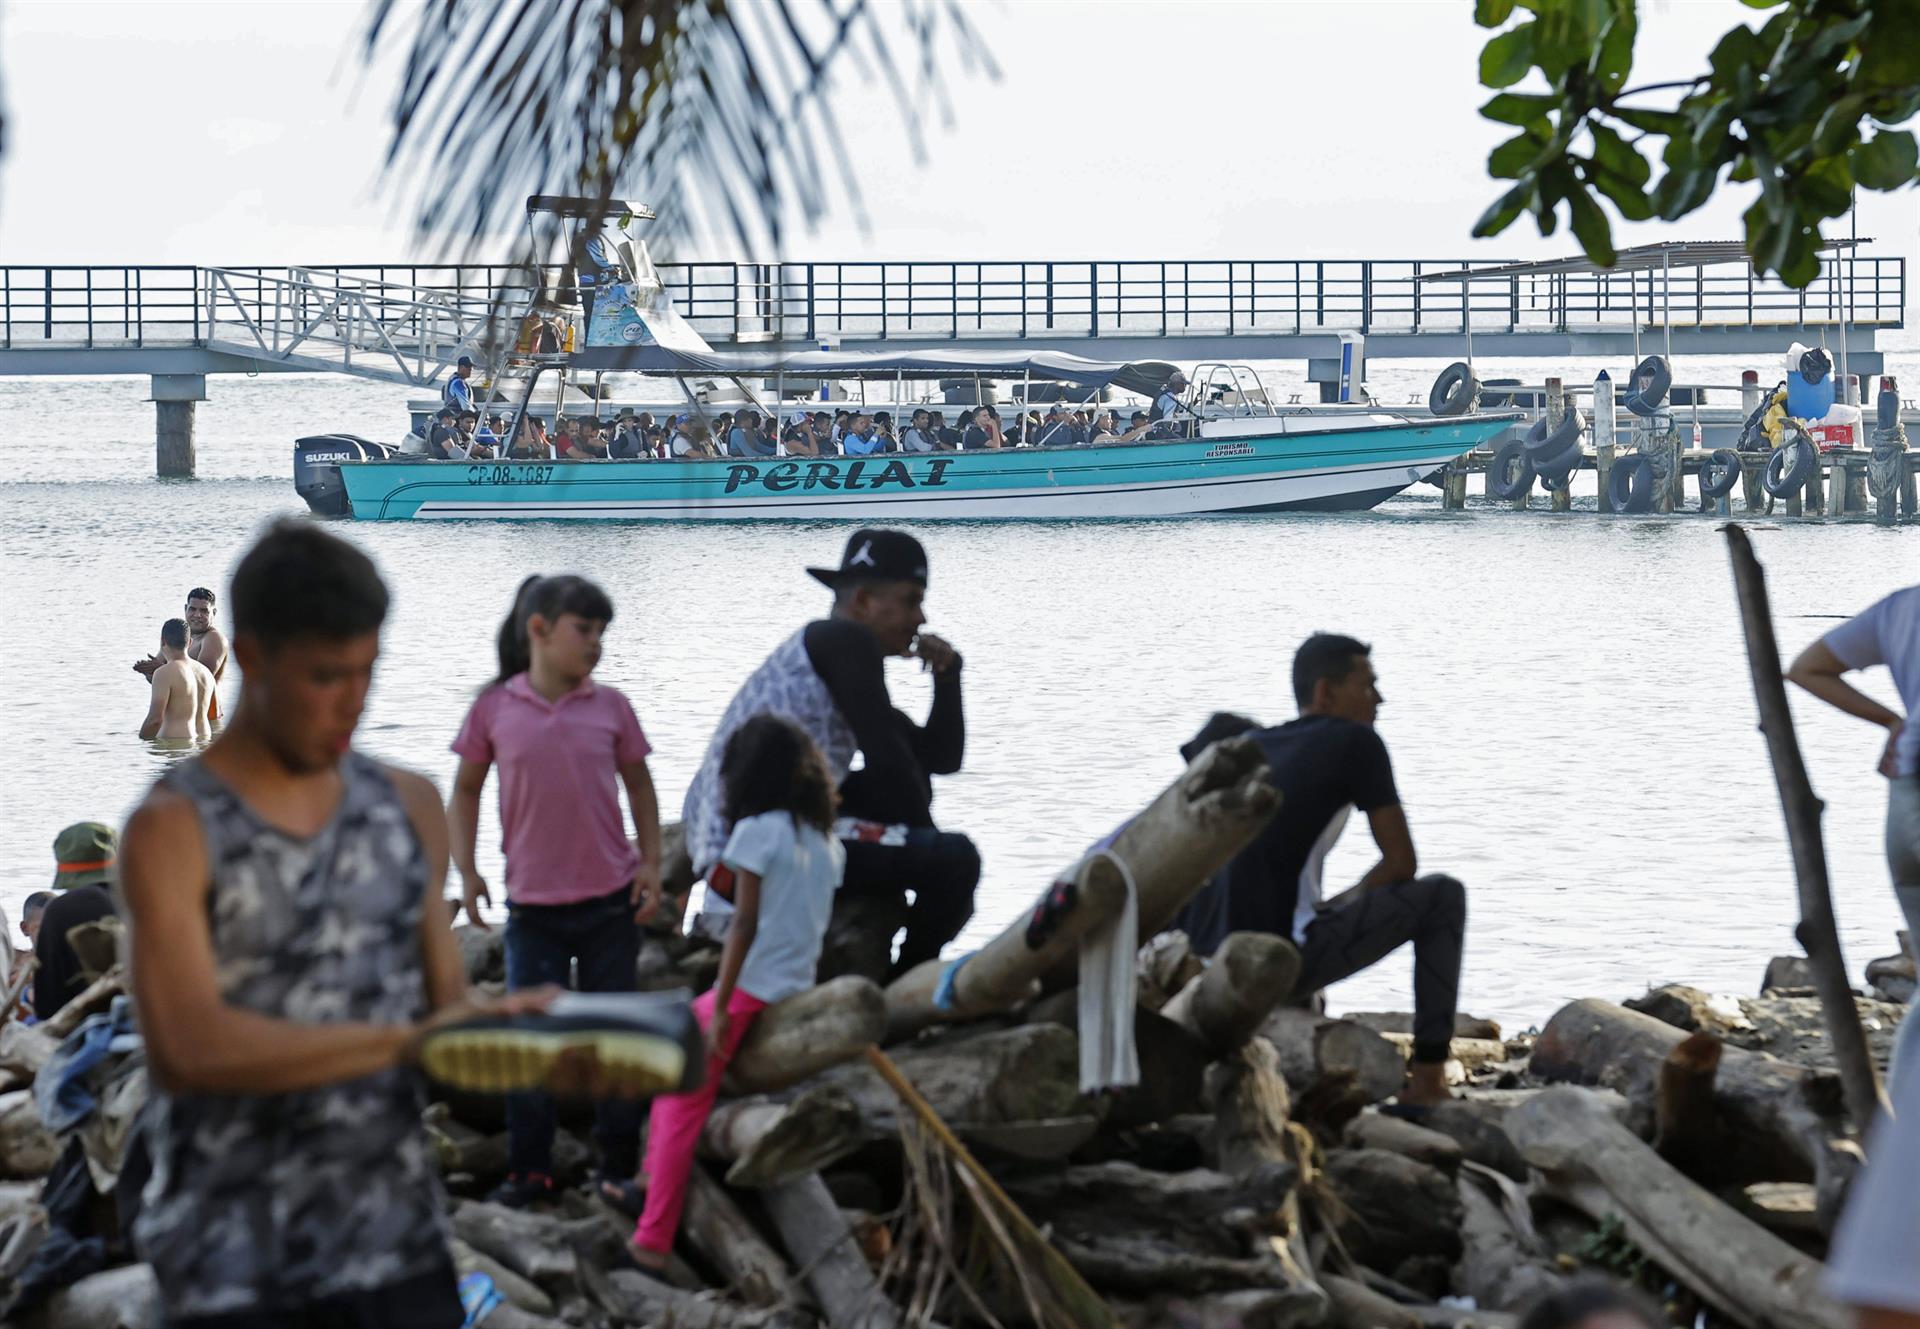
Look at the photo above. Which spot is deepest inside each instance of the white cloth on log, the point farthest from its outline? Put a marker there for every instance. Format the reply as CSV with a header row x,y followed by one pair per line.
x,y
1108,1059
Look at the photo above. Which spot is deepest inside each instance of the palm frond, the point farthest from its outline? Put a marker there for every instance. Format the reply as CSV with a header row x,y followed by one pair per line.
x,y
717,112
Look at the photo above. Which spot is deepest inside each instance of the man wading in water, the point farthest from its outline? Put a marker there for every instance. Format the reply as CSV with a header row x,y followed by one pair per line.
x,y
205,645
830,679
289,940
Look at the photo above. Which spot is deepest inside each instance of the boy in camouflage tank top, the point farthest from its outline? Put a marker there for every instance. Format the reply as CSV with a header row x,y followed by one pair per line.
x,y
290,945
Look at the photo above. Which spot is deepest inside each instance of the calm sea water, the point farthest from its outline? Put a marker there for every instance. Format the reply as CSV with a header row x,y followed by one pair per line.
x,y
1567,700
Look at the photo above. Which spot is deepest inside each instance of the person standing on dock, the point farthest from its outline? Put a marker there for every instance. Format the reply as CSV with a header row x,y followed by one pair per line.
x,y
290,948
1326,763
1886,634
830,679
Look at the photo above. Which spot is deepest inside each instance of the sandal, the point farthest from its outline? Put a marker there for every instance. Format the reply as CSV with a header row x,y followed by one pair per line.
x,y
624,1194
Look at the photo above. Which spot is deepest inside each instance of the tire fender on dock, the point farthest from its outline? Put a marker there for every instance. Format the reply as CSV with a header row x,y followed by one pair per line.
x,y
1455,391
1630,486
1502,479
1789,467
1649,381
1720,473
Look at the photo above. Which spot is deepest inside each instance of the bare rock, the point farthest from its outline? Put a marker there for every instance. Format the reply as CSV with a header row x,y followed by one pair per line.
x,y
1793,1028
1398,1208
1787,971
1892,977
1693,1010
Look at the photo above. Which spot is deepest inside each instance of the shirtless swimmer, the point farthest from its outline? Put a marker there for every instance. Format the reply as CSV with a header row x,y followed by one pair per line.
x,y
182,690
204,643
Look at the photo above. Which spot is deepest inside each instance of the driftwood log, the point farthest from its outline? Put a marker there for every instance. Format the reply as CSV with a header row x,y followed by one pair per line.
x,y
633,1298
1251,1131
1173,1062
1334,1067
96,997
1141,1233
1029,1073
1818,934
1201,820
1686,1122
1249,1308
1591,1161
728,1241
1371,1130
1397,1208
1783,1118
817,1235
538,1247
1249,975
766,1142
805,1034
520,1291
24,1049
1166,964
1501,1262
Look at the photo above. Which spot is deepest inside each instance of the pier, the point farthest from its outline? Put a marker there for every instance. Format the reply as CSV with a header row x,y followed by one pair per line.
x,y
407,323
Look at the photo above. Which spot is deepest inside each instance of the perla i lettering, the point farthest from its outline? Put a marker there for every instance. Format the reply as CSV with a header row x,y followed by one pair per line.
x,y
787,476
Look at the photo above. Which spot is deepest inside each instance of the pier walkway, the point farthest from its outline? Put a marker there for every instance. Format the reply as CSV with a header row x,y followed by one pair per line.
x,y
407,323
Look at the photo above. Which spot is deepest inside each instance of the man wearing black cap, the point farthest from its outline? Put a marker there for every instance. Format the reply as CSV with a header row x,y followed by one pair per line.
x,y
443,440
458,393
830,678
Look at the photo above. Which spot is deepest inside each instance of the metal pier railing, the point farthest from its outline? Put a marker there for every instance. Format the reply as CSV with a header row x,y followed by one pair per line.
x,y
405,322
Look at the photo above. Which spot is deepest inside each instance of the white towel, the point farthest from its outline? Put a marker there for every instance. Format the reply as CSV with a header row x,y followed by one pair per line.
x,y
1108,1059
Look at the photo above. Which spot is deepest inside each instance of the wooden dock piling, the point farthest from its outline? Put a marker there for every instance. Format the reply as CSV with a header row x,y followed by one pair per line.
x,y
1603,444
1561,499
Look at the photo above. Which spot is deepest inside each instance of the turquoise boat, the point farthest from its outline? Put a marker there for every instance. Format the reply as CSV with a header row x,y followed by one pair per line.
x,y
1223,446
1271,464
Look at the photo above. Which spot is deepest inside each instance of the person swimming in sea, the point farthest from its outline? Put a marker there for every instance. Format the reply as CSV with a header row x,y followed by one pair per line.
x,y
182,698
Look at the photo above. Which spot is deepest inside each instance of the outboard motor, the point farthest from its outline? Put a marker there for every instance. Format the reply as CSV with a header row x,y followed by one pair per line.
x,y
316,469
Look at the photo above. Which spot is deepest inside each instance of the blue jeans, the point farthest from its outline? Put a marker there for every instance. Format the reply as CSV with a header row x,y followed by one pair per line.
x,y
1903,864
543,941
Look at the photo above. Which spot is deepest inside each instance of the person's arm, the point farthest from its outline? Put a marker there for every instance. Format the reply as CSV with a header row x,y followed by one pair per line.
x,y
157,706
463,830
645,802
1880,1317
941,744
892,784
195,1042
213,651
439,957
733,954
1821,672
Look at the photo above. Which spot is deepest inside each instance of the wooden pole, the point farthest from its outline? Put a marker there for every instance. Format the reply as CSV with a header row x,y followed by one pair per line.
x,y
1859,1078
1088,1310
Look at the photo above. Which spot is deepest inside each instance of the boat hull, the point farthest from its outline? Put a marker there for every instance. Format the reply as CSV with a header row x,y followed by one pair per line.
x,y
1328,470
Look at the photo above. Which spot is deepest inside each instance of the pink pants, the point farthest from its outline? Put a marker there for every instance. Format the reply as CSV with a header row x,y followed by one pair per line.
x,y
673,1129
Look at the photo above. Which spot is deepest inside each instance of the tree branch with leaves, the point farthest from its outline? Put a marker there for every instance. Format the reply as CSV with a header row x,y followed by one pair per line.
x,y
1808,107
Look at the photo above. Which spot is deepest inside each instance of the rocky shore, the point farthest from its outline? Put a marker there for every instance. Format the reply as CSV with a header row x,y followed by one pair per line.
x,y
1258,1177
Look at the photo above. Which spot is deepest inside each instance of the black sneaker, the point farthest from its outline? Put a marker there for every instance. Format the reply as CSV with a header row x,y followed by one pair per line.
x,y
638,1044
521,1190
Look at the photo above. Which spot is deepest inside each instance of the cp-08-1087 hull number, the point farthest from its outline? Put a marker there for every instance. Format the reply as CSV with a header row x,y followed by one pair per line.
x,y
509,475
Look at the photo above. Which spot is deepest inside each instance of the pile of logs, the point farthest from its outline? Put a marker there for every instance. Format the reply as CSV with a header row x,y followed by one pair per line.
x,y
1257,1177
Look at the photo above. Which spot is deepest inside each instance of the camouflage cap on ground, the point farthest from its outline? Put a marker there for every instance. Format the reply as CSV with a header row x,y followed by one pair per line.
x,y
83,854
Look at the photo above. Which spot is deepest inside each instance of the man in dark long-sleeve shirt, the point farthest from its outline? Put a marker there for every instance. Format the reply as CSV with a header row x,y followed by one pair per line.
x,y
830,678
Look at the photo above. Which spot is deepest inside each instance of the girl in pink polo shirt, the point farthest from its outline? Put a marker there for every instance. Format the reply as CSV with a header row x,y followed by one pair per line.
x,y
780,868
577,889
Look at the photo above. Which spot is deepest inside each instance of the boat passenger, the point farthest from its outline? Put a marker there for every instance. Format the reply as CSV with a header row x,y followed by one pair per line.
x,y
842,421
470,438
862,439
945,434
919,436
1081,427
1166,405
1137,426
1105,428
690,441
883,426
745,438
1058,430
629,438
799,442
987,421
583,443
489,434
458,392
443,440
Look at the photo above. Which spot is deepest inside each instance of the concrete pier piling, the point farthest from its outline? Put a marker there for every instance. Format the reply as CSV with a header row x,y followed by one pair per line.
x,y
1561,499
173,399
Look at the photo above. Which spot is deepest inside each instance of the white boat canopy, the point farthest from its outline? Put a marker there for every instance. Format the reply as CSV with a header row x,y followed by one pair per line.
x,y
1142,376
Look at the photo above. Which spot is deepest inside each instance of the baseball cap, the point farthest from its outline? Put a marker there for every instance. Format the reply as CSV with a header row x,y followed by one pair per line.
x,y
84,854
464,362
876,555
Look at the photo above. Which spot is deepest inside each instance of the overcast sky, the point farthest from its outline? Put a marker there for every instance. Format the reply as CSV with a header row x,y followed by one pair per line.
x,y
246,133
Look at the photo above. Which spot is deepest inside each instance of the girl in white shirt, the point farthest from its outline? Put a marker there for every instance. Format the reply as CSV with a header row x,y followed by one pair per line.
x,y
780,869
